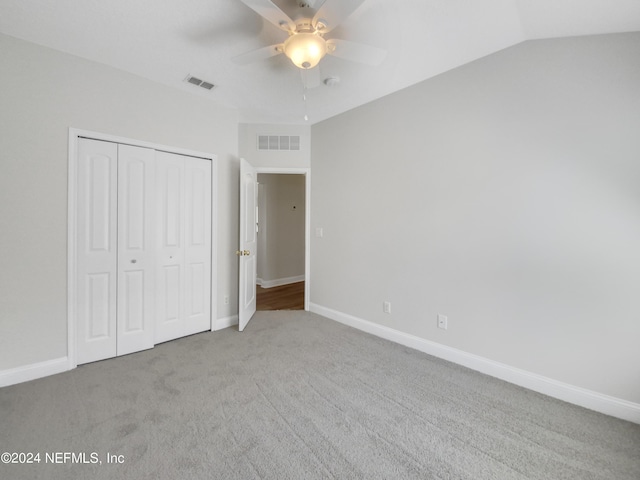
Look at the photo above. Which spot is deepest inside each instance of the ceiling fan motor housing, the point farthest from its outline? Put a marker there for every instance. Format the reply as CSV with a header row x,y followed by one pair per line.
x,y
305,49
305,45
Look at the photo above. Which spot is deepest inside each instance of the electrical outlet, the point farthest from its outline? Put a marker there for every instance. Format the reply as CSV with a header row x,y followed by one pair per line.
x,y
386,307
226,299
442,321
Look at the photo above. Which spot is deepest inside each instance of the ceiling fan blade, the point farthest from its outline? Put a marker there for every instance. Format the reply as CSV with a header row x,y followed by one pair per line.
x,y
356,52
259,54
310,77
333,12
271,12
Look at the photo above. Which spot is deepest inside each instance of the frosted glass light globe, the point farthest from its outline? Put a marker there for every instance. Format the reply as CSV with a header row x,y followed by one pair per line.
x,y
305,50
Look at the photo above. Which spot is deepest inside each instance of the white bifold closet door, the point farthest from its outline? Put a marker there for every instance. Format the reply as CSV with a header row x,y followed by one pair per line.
x,y
97,250
143,248
136,249
115,260
183,285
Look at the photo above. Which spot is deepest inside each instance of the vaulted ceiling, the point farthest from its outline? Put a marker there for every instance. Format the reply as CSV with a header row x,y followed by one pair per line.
x,y
166,40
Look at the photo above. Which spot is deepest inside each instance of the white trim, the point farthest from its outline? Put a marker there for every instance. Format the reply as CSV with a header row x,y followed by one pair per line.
x,y
34,371
279,281
214,242
74,134
616,407
307,222
225,322
72,206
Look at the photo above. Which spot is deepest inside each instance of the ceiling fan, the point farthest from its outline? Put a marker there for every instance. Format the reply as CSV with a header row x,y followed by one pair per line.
x,y
306,45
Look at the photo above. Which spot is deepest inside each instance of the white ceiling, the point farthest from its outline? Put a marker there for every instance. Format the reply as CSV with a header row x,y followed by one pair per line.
x,y
165,40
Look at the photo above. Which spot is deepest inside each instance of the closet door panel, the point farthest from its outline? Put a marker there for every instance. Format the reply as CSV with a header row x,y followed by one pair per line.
x,y
98,307
198,245
143,254
184,250
136,249
96,252
171,277
170,208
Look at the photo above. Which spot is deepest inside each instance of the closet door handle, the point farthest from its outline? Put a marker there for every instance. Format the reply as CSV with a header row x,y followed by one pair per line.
x,y
133,261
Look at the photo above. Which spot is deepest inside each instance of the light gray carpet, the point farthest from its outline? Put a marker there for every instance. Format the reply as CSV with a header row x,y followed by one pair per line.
x,y
297,396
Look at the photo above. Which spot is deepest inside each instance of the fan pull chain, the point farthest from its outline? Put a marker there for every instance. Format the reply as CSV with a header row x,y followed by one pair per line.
x,y
306,116
304,96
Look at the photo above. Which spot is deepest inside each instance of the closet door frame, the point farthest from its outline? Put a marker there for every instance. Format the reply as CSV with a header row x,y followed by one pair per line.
x,y
72,195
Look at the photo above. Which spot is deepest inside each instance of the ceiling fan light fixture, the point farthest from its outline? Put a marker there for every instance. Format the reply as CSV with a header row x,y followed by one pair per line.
x,y
305,49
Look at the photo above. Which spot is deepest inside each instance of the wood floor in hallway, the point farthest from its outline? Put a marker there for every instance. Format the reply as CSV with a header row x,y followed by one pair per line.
x,y
284,297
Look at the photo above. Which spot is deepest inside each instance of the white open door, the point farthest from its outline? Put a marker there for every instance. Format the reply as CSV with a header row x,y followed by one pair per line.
x,y
248,243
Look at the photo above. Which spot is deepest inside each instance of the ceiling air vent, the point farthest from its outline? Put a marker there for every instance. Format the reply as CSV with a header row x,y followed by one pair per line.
x,y
278,142
199,83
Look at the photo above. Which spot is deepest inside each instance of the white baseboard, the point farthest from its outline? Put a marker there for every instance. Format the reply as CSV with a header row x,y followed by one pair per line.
x,y
279,281
599,402
34,371
224,322
51,367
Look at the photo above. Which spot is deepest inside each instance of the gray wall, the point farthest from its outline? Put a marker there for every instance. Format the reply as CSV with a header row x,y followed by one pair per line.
x,y
504,194
281,221
42,94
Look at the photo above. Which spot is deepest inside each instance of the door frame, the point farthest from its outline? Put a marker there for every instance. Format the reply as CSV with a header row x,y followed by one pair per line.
x,y
307,220
72,201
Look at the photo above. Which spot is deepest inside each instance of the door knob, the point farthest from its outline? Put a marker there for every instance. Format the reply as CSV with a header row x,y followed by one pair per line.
x,y
246,252
242,253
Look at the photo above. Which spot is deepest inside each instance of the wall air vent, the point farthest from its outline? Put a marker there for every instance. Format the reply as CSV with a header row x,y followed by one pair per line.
x,y
278,142
200,83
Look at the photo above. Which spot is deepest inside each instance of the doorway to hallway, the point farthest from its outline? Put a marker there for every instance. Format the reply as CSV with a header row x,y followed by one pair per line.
x,y
281,245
